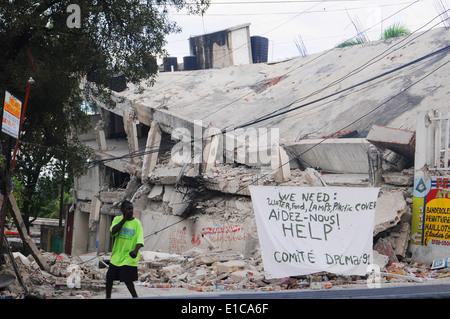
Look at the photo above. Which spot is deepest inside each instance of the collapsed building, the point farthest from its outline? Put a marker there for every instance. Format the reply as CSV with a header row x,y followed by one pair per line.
x,y
185,150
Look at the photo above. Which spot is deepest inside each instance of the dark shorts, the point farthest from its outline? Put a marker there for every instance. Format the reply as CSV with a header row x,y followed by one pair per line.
x,y
122,273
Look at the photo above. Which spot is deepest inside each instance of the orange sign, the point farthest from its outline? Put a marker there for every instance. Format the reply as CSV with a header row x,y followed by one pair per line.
x,y
11,115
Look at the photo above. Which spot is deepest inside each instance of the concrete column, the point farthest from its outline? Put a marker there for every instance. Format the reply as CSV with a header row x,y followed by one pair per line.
x,y
100,136
151,149
94,214
424,140
375,165
280,164
211,148
130,128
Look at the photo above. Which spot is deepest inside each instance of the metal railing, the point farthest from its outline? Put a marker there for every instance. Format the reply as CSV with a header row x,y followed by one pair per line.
x,y
440,122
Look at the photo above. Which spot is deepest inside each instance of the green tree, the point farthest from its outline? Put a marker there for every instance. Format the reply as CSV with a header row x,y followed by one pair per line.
x,y
114,36
395,30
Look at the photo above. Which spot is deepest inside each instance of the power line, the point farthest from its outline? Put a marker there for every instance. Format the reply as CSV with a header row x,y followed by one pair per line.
x,y
266,2
224,131
292,13
370,62
324,53
273,114
317,100
320,142
345,127
280,112
357,70
344,90
245,44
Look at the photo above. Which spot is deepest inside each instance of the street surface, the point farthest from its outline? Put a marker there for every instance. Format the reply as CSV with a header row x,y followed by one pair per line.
x,y
433,289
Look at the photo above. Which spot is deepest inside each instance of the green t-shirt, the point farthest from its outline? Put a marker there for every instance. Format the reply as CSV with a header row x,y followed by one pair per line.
x,y
125,241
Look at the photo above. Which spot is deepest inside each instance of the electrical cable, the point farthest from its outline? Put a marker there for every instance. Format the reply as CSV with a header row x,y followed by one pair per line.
x,y
261,119
319,56
273,114
265,118
345,127
361,83
323,140
291,13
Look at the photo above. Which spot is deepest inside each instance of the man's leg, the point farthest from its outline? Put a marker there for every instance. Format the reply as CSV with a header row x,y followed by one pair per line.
x,y
131,289
109,284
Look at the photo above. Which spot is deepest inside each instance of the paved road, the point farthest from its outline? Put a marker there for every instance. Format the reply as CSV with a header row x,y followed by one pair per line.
x,y
422,291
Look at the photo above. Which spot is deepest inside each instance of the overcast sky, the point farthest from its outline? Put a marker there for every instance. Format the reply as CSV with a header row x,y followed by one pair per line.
x,y
322,24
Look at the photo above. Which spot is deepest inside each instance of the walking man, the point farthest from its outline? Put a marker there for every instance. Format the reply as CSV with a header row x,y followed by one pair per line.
x,y
128,239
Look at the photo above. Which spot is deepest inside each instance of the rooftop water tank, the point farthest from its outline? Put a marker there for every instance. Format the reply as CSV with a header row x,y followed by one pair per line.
x,y
117,82
190,62
170,62
260,49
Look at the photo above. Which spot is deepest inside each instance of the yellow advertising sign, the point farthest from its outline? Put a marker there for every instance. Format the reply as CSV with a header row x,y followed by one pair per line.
x,y
13,107
11,115
431,212
437,221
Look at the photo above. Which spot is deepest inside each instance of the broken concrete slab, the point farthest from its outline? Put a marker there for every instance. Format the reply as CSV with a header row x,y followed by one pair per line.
x,y
380,259
348,155
314,178
400,239
390,207
383,247
239,275
208,259
403,178
172,270
397,140
170,174
393,161
148,255
230,266
156,193
348,180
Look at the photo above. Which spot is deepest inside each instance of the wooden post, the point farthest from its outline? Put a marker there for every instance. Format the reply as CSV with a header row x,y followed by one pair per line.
x,y
24,235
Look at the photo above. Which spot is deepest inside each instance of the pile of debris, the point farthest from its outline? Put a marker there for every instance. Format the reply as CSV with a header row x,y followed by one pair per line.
x,y
68,277
195,270
202,271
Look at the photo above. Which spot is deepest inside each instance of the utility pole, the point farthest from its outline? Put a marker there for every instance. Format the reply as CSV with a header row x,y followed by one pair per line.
x,y
30,81
5,179
5,188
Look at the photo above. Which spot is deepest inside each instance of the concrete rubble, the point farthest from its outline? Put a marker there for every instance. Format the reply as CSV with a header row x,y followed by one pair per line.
x,y
215,268
196,270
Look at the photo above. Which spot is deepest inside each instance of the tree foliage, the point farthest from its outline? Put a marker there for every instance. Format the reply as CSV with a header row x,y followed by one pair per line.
x,y
115,36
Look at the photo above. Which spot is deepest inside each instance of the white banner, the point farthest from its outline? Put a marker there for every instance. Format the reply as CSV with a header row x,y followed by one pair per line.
x,y
304,230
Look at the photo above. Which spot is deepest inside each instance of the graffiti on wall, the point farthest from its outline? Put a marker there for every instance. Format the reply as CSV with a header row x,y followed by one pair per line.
x,y
220,236
177,241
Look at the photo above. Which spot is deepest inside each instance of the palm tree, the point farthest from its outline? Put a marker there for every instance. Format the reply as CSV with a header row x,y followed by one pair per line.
x,y
395,30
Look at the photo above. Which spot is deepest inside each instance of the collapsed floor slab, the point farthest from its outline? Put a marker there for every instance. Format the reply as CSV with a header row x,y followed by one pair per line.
x,y
348,155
